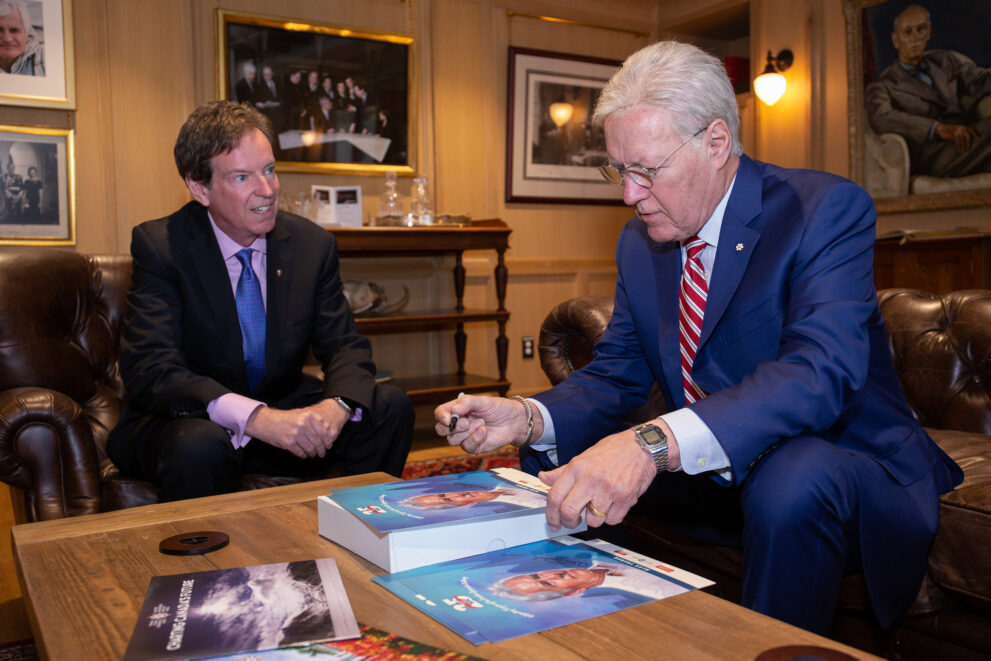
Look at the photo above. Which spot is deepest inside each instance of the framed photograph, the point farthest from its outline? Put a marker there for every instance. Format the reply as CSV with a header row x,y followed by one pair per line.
x,y
36,54
36,188
920,102
340,99
553,151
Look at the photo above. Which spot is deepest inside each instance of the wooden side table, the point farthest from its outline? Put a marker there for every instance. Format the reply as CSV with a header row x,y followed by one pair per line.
x,y
423,241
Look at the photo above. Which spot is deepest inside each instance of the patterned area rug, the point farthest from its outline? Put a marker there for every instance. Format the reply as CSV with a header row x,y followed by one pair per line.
x,y
20,651
462,463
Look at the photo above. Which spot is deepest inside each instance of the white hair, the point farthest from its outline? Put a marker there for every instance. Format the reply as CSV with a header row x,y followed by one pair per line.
x,y
686,81
10,6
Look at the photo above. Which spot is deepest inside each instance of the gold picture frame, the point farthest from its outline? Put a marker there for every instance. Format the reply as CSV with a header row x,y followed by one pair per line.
x,y
879,161
37,187
50,49
365,125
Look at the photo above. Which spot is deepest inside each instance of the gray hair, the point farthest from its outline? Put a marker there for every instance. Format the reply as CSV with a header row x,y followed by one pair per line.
x,y
894,25
10,6
686,81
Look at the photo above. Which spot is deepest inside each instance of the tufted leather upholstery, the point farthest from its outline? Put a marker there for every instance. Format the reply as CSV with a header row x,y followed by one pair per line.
x,y
941,348
61,392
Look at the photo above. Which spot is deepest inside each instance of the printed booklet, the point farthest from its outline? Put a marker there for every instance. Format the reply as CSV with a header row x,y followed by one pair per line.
x,y
246,609
527,589
374,645
403,525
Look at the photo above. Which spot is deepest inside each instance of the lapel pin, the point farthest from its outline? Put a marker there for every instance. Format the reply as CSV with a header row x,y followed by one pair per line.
x,y
278,272
739,247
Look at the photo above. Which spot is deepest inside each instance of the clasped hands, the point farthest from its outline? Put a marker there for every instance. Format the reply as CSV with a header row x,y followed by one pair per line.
x,y
602,483
307,432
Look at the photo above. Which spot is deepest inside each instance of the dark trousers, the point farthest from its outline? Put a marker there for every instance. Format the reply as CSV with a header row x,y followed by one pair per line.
x,y
795,516
193,457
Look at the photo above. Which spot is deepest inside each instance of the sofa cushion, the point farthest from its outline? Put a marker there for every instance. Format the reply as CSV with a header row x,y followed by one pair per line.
x,y
958,561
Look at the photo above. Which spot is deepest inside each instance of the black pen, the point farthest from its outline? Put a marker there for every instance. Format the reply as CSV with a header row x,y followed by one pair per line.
x,y
453,424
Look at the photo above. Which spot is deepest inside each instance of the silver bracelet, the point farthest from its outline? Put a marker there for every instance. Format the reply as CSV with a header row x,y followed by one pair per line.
x,y
529,420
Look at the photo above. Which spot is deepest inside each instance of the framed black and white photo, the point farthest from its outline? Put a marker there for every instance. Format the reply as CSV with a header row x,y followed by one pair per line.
x,y
911,65
553,151
36,54
340,98
36,187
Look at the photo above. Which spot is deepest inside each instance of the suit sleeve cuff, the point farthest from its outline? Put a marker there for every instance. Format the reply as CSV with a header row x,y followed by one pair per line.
x,y
231,411
547,443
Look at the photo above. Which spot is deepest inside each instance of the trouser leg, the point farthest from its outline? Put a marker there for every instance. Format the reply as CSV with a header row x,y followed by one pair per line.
x,y
189,458
800,534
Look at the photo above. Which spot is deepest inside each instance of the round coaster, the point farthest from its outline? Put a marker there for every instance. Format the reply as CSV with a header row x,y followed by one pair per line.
x,y
194,543
803,653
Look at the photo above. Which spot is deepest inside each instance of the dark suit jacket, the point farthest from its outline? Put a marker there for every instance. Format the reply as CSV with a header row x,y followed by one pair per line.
x,y
899,103
181,346
792,345
244,91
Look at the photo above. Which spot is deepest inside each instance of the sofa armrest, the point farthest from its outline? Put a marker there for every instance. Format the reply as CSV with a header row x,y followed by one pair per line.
x,y
47,451
569,332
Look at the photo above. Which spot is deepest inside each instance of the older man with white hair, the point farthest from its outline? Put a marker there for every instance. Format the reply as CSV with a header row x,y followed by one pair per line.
x,y
746,294
21,51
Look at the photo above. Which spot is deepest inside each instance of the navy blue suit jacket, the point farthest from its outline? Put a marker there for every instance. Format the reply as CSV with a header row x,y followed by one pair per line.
x,y
793,344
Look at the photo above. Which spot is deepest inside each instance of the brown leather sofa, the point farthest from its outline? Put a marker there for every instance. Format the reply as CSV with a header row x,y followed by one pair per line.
x,y
61,392
941,346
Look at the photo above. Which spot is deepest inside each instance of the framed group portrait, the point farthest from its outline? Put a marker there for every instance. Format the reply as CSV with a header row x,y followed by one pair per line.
x,y
36,186
36,54
920,102
553,150
340,99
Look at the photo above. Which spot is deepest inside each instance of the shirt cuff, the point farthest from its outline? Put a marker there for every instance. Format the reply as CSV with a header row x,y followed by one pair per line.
x,y
547,443
231,411
697,445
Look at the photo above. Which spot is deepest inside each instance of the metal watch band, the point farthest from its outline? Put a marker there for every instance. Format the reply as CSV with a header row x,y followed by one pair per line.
x,y
344,405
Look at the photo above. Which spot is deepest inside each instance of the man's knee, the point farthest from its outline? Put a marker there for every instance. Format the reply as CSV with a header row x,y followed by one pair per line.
x,y
197,442
394,404
805,479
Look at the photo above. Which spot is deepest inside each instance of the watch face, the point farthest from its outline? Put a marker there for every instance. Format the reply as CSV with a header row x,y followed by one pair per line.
x,y
651,434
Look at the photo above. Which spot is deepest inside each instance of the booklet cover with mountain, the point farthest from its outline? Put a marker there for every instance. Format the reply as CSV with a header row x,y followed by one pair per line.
x,y
245,609
538,586
407,524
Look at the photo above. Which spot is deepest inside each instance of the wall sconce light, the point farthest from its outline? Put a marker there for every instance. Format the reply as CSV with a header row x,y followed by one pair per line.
x,y
561,113
770,85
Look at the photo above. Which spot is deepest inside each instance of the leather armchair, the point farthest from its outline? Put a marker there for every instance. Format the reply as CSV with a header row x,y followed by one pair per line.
x,y
941,347
61,393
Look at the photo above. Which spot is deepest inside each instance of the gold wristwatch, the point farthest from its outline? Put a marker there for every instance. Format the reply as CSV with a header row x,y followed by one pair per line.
x,y
654,442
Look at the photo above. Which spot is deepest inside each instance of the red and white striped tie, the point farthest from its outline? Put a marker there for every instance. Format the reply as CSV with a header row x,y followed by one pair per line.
x,y
691,309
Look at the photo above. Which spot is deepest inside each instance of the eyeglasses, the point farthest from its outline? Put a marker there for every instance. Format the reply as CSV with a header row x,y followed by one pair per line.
x,y
641,176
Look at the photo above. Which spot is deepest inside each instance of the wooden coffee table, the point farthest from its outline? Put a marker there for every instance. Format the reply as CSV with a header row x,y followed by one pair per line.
x,y
84,580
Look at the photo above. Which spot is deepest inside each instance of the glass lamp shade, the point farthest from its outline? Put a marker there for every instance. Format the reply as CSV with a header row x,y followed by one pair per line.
x,y
561,113
770,87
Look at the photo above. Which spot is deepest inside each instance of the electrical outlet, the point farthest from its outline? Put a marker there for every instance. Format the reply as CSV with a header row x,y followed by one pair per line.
x,y
528,346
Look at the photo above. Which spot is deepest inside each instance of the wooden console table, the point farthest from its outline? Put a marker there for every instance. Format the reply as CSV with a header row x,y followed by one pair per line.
x,y
423,241
937,263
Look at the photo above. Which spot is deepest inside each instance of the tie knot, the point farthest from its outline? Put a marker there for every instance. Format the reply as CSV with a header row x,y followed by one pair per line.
x,y
694,247
244,256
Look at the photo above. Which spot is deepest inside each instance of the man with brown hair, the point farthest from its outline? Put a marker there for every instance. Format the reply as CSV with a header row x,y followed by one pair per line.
x,y
229,294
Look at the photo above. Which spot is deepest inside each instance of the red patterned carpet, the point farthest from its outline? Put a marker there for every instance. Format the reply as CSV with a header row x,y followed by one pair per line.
x,y
503,457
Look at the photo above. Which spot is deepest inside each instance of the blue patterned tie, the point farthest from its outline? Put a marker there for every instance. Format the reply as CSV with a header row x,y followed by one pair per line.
x,y
251,314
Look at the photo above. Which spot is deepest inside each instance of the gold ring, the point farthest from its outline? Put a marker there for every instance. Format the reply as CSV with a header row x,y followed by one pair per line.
x,y
591,508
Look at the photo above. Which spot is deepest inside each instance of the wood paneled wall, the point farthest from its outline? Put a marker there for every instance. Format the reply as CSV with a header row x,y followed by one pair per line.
x,y
142,66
